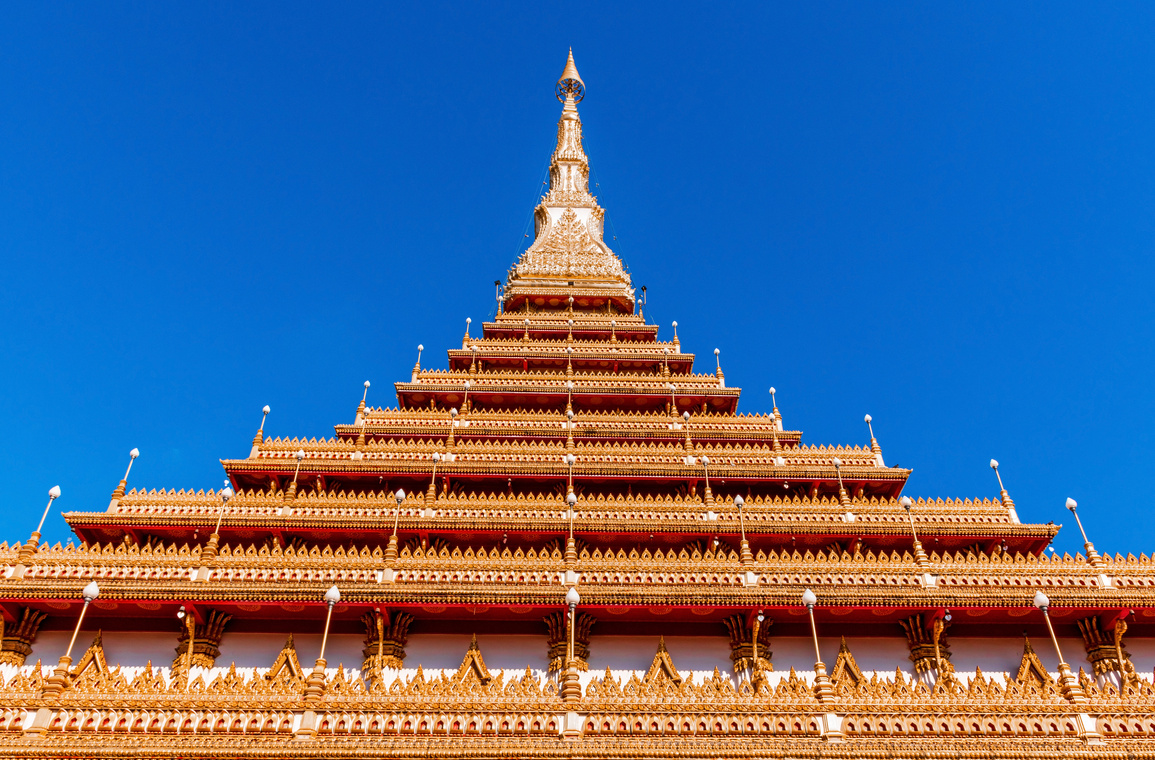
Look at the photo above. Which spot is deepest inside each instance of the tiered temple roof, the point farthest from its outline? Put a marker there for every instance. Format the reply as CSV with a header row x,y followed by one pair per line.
x,y
568,475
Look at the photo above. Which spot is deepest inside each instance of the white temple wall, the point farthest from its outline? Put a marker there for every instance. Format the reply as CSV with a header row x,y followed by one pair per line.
x,y
623,655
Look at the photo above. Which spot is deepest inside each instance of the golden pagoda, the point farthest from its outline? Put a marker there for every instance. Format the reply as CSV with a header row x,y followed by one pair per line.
x,y
568,543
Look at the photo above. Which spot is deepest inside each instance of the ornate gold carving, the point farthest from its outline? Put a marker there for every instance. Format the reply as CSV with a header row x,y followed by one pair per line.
x,y
92,659
929,649
742,646
1031,669
16,638
662,668
556,641
846,670
206,641
385,642
473,666
286,663
1105,650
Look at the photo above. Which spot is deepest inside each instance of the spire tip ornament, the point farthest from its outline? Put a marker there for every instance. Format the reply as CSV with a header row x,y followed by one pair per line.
x,y
570,83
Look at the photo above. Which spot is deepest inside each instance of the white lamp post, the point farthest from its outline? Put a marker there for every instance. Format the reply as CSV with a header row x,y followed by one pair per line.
x,y
1068,685
55,683
919,554
1092,555
823,689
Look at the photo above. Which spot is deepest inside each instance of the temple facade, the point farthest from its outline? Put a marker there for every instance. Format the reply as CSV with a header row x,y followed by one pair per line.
x,y
567,541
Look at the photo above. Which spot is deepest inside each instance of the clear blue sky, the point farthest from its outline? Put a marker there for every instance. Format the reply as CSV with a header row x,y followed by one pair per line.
x,y
940,214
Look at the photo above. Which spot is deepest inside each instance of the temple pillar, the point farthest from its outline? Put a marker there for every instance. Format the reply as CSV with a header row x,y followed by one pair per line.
x,y
742,643
385,638
929,650
1105,651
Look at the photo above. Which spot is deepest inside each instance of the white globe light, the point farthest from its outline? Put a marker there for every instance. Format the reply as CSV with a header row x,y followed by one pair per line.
x,y
265,409
333,595
54,492
906,502
1041,600
300,454
400,496
837,462
994,464
739,502
91,591
868,419
571,597
808,598
366,383
1071,504
226,493
571,499
134,453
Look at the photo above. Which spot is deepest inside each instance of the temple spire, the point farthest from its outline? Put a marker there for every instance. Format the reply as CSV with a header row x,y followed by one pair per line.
x,y
568,249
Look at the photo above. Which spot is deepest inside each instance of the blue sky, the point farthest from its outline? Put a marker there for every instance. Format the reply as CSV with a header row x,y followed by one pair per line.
x,y
940,214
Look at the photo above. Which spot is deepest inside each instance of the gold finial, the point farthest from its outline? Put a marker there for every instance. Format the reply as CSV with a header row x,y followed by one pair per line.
x,y
570,83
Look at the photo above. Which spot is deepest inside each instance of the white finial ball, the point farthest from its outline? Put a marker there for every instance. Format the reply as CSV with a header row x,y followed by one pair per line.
x,y
613,323
665,350
994,464
54,492
468,320
808,598
134,453
705,460
1071,504
333,595
739,502
569,414
366,383
473,348
569,349
420,347
675,324
400,496
686,416
1041,600
906,502
868,419
453,412
571,597
468,385
300,455
570,459
569,322
436,456
571,498
772,391
265,409
226,493
91,591
837,462
717,351
527,323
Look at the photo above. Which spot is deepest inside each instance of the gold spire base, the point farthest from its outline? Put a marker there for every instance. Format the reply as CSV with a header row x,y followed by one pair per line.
x,y
920,557
28,550
823,688
843,497
1069,686
571,552
1092,555
391,550
315,683
571,689
56,683
746,556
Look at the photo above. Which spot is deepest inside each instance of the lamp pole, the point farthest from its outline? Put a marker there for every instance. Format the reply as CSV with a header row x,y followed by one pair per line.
x,y
1068,685
746,555
756,677
823,689
391,550
55,683
571,688
431,494
920,557
315,684
28,550
1092,555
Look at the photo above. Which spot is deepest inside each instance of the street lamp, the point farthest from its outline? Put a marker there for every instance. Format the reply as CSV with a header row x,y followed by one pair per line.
x,y
571,687
756,676
449,442
1067,683
391,549
28,550
823,689
919,554
1006,497
292,492
746,555
465,403
189,622
431,494
843,496
59,679
688,445
315,684
1092,555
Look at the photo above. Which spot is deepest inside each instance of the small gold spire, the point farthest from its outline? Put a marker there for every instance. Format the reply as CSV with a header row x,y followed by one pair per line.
x,y
570,82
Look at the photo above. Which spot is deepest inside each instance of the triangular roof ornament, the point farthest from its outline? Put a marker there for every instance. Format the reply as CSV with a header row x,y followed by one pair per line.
x,y
93,657
286,660
662,665
570,82
473,663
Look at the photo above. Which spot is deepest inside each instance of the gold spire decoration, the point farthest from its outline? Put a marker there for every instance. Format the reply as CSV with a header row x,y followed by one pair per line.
x,y
568,248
